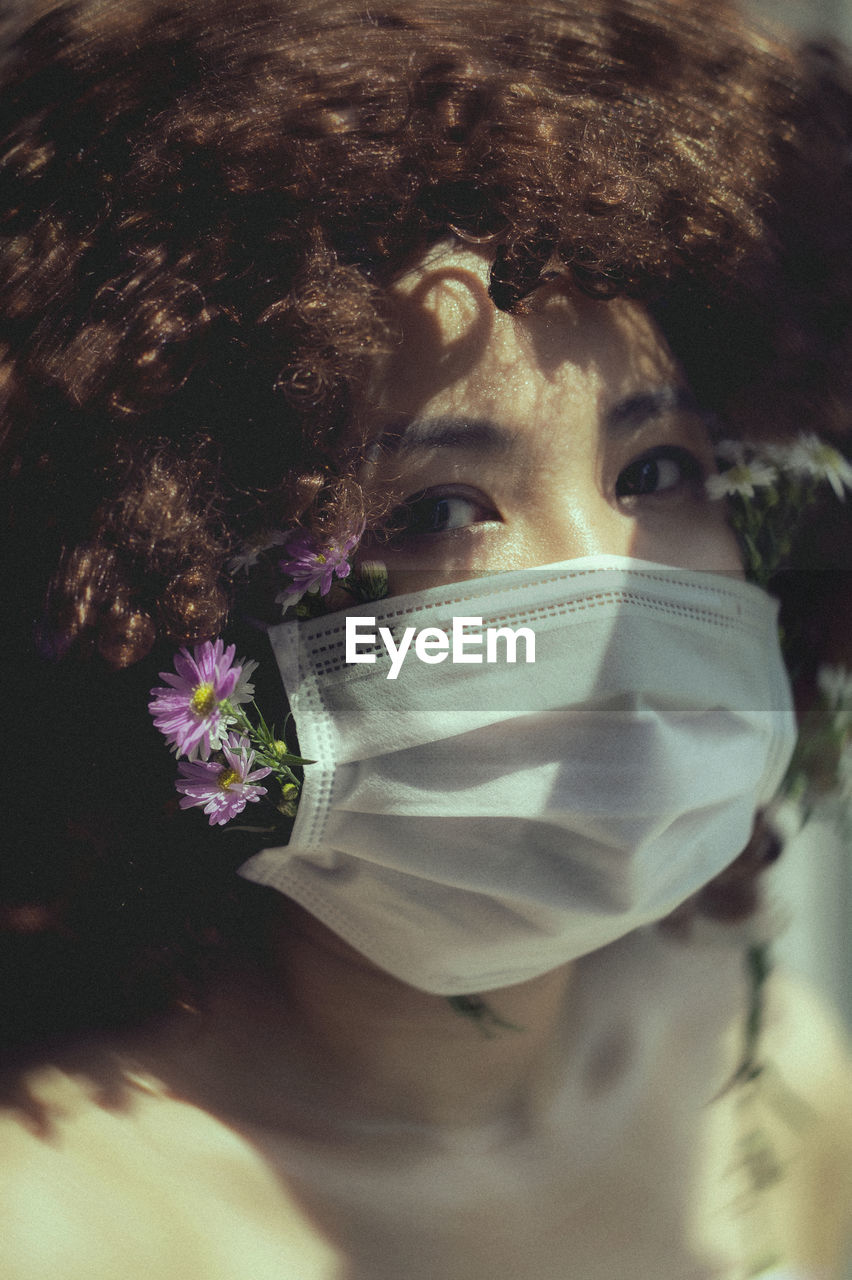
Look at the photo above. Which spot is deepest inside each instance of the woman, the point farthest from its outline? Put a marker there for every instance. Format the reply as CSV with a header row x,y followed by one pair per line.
x,y
463,290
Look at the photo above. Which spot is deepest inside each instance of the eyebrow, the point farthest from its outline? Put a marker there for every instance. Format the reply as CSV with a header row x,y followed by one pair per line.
x,y
409,435
644,406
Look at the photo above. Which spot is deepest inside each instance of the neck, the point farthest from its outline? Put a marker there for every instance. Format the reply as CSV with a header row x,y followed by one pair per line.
x,y
340,1039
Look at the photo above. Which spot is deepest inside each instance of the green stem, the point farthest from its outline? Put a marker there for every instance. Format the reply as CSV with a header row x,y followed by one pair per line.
x,y
481,1014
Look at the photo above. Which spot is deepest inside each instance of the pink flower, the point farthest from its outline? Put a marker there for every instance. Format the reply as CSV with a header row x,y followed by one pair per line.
x,y
189,713
313,567
222,790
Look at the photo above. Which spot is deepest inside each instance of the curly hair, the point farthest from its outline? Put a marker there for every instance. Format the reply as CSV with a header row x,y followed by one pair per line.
x,y
203,203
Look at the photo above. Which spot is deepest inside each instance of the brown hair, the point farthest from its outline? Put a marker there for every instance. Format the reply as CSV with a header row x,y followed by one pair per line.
x,y
202,203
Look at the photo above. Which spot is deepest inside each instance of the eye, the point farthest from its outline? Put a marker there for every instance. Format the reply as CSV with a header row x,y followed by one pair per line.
x,y
663,470
439,511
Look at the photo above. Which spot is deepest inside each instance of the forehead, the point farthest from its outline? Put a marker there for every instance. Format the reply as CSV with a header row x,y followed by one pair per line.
x,y
458,354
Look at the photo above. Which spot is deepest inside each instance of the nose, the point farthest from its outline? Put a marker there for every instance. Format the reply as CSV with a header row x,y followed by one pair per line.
x,y
575,522
685,531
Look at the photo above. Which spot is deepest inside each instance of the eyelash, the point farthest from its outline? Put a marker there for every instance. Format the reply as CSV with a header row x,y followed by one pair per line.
x,y
631,479
412,520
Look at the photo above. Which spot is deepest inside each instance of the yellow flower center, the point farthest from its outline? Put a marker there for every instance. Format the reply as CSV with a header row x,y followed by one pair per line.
x,y
227,778
203,700
320,558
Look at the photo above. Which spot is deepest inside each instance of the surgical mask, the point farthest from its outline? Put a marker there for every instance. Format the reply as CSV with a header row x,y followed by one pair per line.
x,y
471,825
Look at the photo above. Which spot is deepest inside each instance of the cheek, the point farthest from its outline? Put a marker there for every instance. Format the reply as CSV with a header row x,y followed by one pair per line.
x,y
728,550
720,538
699,537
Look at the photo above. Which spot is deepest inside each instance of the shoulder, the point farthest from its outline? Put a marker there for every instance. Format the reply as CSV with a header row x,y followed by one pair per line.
x,y
140,1185
809,1083
775,1150
808,1041
781,1141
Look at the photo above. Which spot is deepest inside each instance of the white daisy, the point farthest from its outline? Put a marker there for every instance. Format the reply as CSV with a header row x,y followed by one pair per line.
x,y
246,559
741,479
810,456
835,685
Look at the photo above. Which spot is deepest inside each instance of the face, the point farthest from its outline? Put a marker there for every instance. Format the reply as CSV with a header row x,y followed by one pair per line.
x,y
503,442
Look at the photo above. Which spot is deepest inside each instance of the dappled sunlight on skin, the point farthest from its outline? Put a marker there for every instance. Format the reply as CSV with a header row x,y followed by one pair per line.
x,y
92,1190
522,426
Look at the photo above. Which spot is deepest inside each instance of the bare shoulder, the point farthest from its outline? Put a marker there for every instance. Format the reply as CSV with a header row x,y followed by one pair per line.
x,y
792,1130
808,1054
810,1045
141,1185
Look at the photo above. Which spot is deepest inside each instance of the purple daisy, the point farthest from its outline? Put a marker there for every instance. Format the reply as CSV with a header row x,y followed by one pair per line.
x,y
222,790
313,567
189,713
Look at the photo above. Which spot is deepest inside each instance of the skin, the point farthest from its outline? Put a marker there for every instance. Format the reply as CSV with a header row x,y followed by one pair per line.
x,y
565,393
575,397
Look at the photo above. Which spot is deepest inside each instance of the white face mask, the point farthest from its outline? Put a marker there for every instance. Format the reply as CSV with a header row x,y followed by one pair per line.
x,y
469,826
